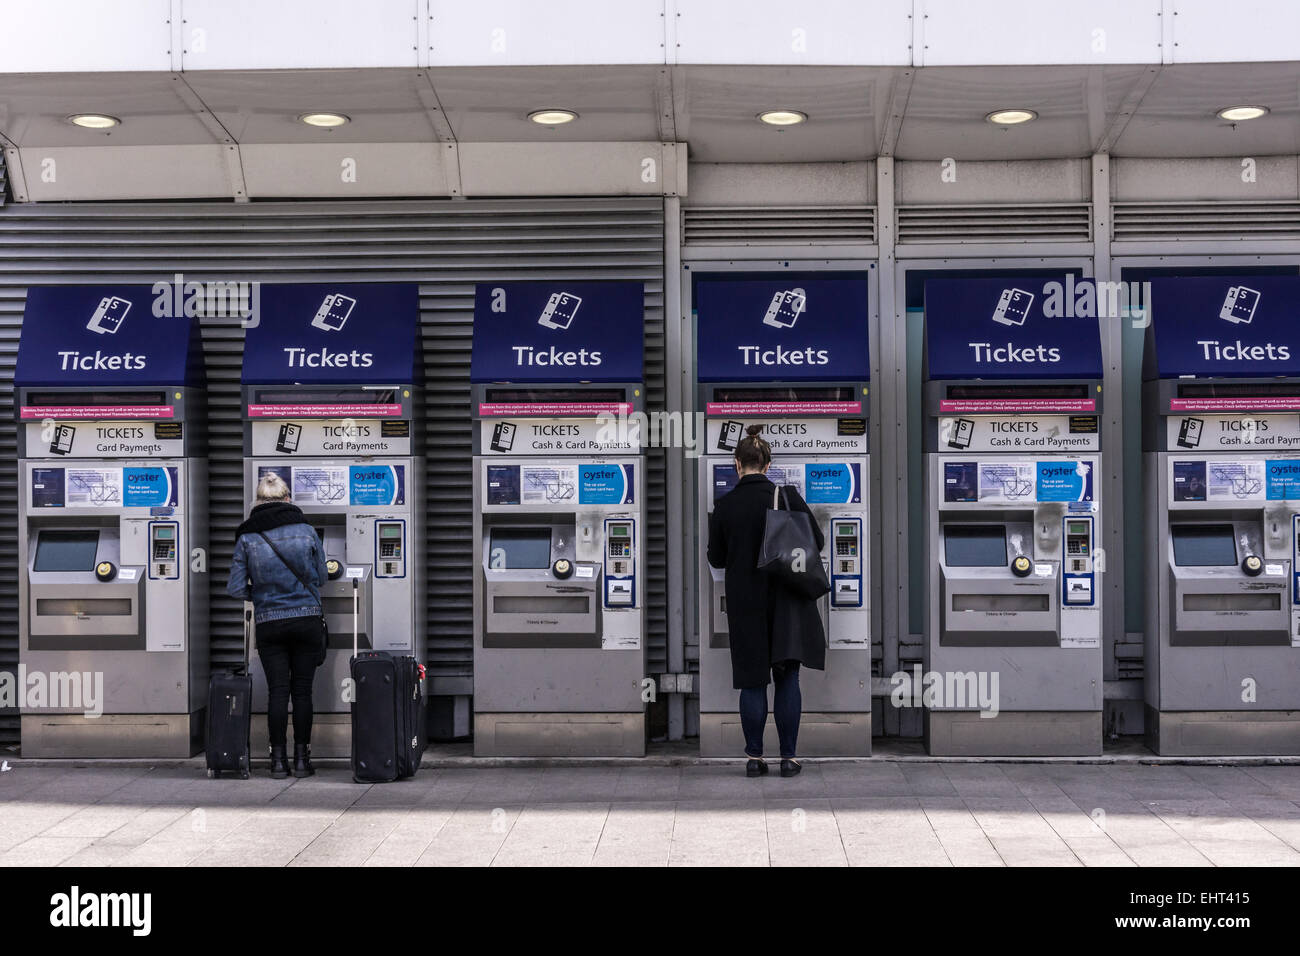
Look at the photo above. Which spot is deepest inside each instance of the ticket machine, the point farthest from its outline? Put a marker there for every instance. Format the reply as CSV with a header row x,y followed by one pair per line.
x,y
1013,628
1221,443
791,353
559,519
331,397
112,529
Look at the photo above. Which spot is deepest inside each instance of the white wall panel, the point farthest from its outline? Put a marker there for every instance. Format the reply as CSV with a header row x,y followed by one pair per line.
x,y
294,170
572,169
781,184
125,172
1047,180
962,33
828,32
295,34
1214,31
1141,180
538,32
59,36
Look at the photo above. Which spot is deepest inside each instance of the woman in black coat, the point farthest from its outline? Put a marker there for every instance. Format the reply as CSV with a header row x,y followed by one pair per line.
x,y
772,629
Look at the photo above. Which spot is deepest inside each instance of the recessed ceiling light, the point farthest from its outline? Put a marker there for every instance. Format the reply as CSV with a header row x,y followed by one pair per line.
x,y
552,117
783,117
1235,114
1011,117
323,120
94,120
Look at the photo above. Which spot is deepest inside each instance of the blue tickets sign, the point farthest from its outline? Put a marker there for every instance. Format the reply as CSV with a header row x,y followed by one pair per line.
x,y
837,483
1013,328
797,328
106,335
552,332
335,333
1223,326
377,484
606,484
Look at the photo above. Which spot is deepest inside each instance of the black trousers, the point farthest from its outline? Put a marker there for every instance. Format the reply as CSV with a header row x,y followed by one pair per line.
x,y
288,649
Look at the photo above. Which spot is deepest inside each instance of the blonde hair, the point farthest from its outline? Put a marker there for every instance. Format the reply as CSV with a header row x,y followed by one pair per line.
x,y
271,487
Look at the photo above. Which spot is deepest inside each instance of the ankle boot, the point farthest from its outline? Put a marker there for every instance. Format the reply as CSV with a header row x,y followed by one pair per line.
x,y
302,760
279,762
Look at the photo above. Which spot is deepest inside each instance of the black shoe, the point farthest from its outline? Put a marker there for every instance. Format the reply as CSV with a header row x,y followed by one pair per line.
x,y
790,767
279,763
302,760
755,767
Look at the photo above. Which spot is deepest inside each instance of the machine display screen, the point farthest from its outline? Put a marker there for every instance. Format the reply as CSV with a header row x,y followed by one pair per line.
x,y
1203,545
1065,390
975,546
326,396
66,551
783,393
93,397
520,548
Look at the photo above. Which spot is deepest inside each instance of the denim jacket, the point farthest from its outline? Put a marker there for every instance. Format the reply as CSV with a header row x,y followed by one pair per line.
x,y
257,574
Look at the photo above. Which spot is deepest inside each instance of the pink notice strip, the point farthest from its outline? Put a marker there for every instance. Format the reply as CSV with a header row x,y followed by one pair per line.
x,y
97,411
996,406
549,409
784,408
323,411
1280,403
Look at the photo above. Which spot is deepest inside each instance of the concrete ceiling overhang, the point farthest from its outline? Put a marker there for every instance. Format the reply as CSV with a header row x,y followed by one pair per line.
x,y
855,112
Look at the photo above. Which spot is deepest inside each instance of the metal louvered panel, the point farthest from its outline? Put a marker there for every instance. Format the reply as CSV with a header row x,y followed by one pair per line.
x,y
1152,221
445,246
778,225
1028,222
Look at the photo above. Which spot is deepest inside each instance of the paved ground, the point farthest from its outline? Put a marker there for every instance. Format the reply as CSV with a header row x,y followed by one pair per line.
x,y
908,812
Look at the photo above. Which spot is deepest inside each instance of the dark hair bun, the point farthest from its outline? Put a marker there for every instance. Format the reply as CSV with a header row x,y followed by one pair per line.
x,y
753,430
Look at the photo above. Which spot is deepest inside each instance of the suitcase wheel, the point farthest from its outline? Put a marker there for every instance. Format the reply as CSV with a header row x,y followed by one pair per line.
x,y
243,775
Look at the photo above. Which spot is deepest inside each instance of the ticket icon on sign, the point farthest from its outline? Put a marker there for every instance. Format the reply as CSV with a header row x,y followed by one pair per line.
x,y
333,312
108,315
785,308
1239,305
1013,307
560,309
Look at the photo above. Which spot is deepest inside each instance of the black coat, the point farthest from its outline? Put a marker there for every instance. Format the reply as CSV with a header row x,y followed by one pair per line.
x,y
767,622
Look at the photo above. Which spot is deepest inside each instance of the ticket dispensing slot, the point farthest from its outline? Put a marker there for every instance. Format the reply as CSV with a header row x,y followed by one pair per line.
x,y
846,562
1223,592
994,593
1078,574
81,597
537,593
620,562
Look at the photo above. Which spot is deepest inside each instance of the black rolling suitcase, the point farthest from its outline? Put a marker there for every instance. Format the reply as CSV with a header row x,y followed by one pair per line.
x,y
387,713
229,723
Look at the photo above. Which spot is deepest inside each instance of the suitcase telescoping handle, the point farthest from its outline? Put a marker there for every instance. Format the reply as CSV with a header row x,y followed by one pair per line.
x,y
355,597
248,630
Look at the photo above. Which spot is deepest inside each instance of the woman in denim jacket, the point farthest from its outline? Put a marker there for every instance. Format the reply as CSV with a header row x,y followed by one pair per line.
x,y
287,613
